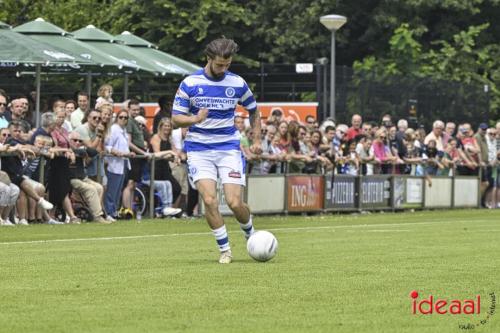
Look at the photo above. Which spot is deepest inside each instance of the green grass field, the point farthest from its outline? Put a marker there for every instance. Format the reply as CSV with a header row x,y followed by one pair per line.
x,y
335,273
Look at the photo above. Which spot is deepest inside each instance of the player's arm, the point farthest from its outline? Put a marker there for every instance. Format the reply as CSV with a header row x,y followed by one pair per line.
x,y
256,146
184,120
181,116
248,102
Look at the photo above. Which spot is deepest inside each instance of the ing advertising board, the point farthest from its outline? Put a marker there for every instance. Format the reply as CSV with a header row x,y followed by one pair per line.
x,y
305,193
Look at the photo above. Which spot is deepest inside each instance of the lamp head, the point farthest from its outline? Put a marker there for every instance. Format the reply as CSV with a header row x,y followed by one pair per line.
x,y
333,22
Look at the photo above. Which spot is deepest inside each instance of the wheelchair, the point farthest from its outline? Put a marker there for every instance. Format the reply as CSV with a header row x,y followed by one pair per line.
x,y
140,202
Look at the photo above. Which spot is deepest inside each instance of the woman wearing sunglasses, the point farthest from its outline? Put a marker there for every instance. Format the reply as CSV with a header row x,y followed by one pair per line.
x,y
116,144
382,151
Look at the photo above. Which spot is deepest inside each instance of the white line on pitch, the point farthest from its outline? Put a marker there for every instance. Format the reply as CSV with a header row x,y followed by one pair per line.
x,y
296,229
381,230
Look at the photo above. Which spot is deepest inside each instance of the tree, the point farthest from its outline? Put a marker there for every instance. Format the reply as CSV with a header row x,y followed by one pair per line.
x,y
460,60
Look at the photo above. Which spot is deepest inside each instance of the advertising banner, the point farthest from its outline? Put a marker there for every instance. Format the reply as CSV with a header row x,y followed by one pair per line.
x,y
266,194
407,192
290,110
375,192
466,192
305,193
341,192
438,192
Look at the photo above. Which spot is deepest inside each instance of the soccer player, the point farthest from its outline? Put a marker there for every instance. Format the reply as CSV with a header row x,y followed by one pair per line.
x,y
206,102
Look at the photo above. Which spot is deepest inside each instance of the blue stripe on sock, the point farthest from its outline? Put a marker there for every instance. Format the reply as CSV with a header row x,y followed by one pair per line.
x,y
222,241
247,230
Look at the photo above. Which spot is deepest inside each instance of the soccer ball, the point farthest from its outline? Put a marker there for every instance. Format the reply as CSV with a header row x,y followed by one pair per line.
x,y
262,245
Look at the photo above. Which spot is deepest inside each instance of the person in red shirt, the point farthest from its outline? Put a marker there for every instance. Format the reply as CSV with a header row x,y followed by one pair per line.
x,y
355,128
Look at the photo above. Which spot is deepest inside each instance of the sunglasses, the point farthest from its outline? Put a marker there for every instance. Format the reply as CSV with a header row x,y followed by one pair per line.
x,y
382,137
77,140
311,122
96,118
3,104
123,117
5,135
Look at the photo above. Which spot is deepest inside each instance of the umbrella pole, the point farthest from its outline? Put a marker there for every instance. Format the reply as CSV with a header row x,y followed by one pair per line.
x,y
38,74
89,85
125,87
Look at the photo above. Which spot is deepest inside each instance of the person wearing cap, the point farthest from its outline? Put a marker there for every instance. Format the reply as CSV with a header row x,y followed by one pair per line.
x,y
481,140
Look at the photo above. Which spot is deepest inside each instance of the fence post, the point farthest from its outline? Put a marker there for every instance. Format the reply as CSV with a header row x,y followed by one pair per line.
x,y
285,210
453,172
152,187
360,190
479,195
99,176
392,191
41,178
424,185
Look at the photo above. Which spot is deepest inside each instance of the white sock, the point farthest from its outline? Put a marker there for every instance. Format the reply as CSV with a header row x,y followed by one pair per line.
x,y
222,239
247,228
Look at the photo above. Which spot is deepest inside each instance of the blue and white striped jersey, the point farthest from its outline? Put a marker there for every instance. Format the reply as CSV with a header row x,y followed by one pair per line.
x,y
220,97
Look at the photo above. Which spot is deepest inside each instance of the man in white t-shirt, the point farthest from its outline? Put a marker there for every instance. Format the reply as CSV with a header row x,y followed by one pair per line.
x,y
438,134
83,104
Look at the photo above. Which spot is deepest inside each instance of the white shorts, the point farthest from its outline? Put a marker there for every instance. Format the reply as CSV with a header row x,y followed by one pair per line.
x,y
8,194
228,165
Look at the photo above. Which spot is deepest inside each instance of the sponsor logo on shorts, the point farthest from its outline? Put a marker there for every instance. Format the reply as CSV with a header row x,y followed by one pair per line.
x,y
230,91
234,174
193,170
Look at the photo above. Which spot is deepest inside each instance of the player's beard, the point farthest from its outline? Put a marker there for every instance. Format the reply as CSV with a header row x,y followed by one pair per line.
x,y
215,75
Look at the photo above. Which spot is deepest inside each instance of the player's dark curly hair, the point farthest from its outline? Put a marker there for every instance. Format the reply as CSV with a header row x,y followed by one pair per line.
x,y
222,47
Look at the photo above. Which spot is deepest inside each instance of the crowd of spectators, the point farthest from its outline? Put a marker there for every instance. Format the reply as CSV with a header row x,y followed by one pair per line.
x,y
89,154
98,156
368,148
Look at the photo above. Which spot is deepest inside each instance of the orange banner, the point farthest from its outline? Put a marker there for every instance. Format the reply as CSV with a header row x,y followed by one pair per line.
x,y
290,111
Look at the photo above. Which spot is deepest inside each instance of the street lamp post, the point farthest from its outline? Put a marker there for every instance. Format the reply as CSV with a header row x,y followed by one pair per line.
x,y
332,23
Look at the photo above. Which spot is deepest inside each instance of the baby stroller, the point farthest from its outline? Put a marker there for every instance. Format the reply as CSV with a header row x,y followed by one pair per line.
x,y
79,207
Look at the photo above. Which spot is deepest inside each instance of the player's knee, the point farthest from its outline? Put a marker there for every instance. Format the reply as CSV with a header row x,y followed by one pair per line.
x,y
210,201
234,203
